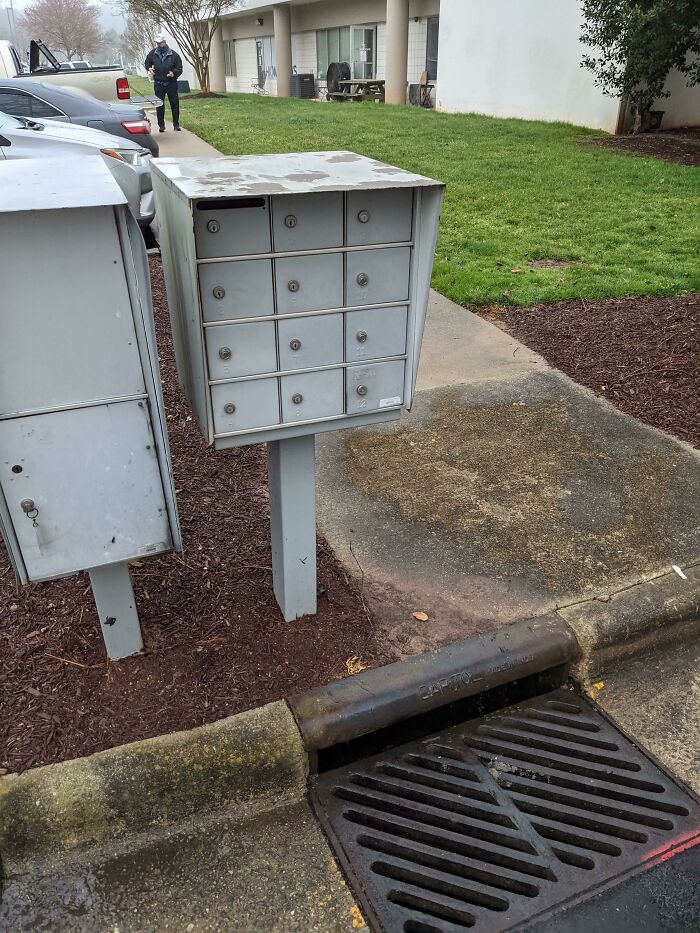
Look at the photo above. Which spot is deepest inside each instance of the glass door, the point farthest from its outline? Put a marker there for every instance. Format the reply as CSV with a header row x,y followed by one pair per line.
x,y
363,51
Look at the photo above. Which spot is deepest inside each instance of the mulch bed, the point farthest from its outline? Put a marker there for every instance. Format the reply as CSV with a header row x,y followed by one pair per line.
x,y
216,643
639,353
681,146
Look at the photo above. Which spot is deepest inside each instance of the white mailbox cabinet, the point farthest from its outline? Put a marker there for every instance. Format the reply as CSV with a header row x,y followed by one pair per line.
x,y
85,475
297,287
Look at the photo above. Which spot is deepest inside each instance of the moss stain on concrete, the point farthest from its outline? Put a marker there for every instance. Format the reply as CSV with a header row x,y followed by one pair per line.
x,y
521,485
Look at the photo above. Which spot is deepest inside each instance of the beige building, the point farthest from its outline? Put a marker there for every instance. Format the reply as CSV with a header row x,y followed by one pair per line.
x,y
506,58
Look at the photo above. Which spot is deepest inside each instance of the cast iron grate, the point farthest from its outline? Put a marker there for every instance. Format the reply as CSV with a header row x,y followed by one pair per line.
x,y
503,819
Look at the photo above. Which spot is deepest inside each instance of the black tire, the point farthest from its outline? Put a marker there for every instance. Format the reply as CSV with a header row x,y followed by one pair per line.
x,y
337,71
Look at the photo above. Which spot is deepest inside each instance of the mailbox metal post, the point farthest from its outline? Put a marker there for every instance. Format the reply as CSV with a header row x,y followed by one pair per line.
x,y
116,607
291,470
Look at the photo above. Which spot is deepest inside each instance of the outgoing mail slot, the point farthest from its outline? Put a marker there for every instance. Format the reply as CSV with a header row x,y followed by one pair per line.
x,y
241,406
306,342
379,216
309,283
307,221
308,396
231,290
241,350
232,227
375,276
374,386
375,333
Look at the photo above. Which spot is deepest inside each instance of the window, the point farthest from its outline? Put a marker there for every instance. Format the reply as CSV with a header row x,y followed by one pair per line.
x,y
41,109
431,55
16,103
230,58
332,45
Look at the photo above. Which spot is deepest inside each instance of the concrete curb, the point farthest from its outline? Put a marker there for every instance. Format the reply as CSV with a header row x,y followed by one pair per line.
x,y
254,760
647,614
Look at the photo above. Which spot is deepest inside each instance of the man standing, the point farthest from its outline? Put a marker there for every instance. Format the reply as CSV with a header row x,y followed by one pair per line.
x,y
165,66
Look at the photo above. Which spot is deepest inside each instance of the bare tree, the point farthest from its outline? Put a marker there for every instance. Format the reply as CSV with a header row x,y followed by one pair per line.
x,y
139,37
192,23
68,26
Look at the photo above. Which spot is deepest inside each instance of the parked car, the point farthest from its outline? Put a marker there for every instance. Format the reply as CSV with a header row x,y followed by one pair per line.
x,y
38,101
107,83
129,163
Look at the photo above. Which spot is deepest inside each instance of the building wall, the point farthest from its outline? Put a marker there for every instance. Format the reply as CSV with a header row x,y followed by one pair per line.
x,y
518,58
682,108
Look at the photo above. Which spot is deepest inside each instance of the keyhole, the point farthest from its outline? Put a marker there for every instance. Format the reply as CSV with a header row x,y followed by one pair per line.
x,y
16,468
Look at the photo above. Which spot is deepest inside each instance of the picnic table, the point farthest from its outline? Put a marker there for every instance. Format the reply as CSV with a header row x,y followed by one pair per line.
x,y
359,89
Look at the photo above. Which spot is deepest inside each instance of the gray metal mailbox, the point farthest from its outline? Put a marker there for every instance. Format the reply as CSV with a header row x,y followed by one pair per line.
x,y
85,475
298,288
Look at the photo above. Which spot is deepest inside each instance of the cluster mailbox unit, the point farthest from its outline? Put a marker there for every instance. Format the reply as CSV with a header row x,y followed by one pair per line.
x,y
298,287
85,475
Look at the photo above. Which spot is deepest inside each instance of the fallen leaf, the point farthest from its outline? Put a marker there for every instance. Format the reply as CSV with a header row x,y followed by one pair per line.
x,y
516,270
421,616
354,665
599,685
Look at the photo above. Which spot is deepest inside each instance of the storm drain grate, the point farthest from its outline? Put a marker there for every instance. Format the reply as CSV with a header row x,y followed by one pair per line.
x,y
500,820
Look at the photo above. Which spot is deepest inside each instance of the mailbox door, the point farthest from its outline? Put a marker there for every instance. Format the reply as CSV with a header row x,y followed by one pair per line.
x,y
311,341
379,216
231,290
307,221
375,276
240,406
241,349
374,386
232,227
93,476
375,333
309,283
307,396
66,329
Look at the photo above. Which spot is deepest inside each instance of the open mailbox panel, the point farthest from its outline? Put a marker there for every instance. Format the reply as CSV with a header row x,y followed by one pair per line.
x,y
297,286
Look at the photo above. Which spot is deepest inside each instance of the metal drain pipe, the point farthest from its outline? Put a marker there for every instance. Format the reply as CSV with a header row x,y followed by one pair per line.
x,y
378,699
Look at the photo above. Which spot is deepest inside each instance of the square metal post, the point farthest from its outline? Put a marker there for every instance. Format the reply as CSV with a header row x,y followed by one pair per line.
x,y
116,607
291,469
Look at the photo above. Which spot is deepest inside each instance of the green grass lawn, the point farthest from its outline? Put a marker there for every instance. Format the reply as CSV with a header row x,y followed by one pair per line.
x,y
140,86
516,191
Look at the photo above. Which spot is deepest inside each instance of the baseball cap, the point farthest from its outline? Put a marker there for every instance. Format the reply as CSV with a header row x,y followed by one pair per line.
x,y
161,38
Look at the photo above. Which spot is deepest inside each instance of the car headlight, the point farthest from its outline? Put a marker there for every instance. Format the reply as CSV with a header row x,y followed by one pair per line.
x,y
131,156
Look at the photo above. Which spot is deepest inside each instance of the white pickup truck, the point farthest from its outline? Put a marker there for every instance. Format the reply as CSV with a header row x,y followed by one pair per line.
x,y
108,83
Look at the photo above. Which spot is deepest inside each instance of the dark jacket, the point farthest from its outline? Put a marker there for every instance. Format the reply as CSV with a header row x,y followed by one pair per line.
x,y
171,62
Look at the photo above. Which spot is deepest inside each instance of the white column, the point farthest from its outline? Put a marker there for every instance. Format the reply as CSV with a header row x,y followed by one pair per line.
x,y
283,49
217,69
396,38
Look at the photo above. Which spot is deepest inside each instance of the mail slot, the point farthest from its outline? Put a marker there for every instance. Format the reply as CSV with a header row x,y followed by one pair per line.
x,y
309,283
374,386
375,276
307,221
241,349
375,333
232,227
379,216
231,290
240,406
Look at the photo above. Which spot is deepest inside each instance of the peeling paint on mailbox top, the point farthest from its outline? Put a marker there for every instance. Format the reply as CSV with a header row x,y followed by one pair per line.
x,y
297,288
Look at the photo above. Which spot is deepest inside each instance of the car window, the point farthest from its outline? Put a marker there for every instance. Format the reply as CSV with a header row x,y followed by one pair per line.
x,y
41,109
16,103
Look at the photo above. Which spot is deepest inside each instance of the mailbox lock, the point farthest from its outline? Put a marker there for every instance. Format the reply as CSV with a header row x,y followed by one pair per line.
x,y
229,408
361,336
290,221
295,344
362,390
297,398
225,353
362,279
293,285
27,505
218,292
364,216
213,226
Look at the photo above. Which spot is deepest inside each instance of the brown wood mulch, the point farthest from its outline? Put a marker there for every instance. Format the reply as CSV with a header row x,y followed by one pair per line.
x,y
642,354
216,643
680,146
